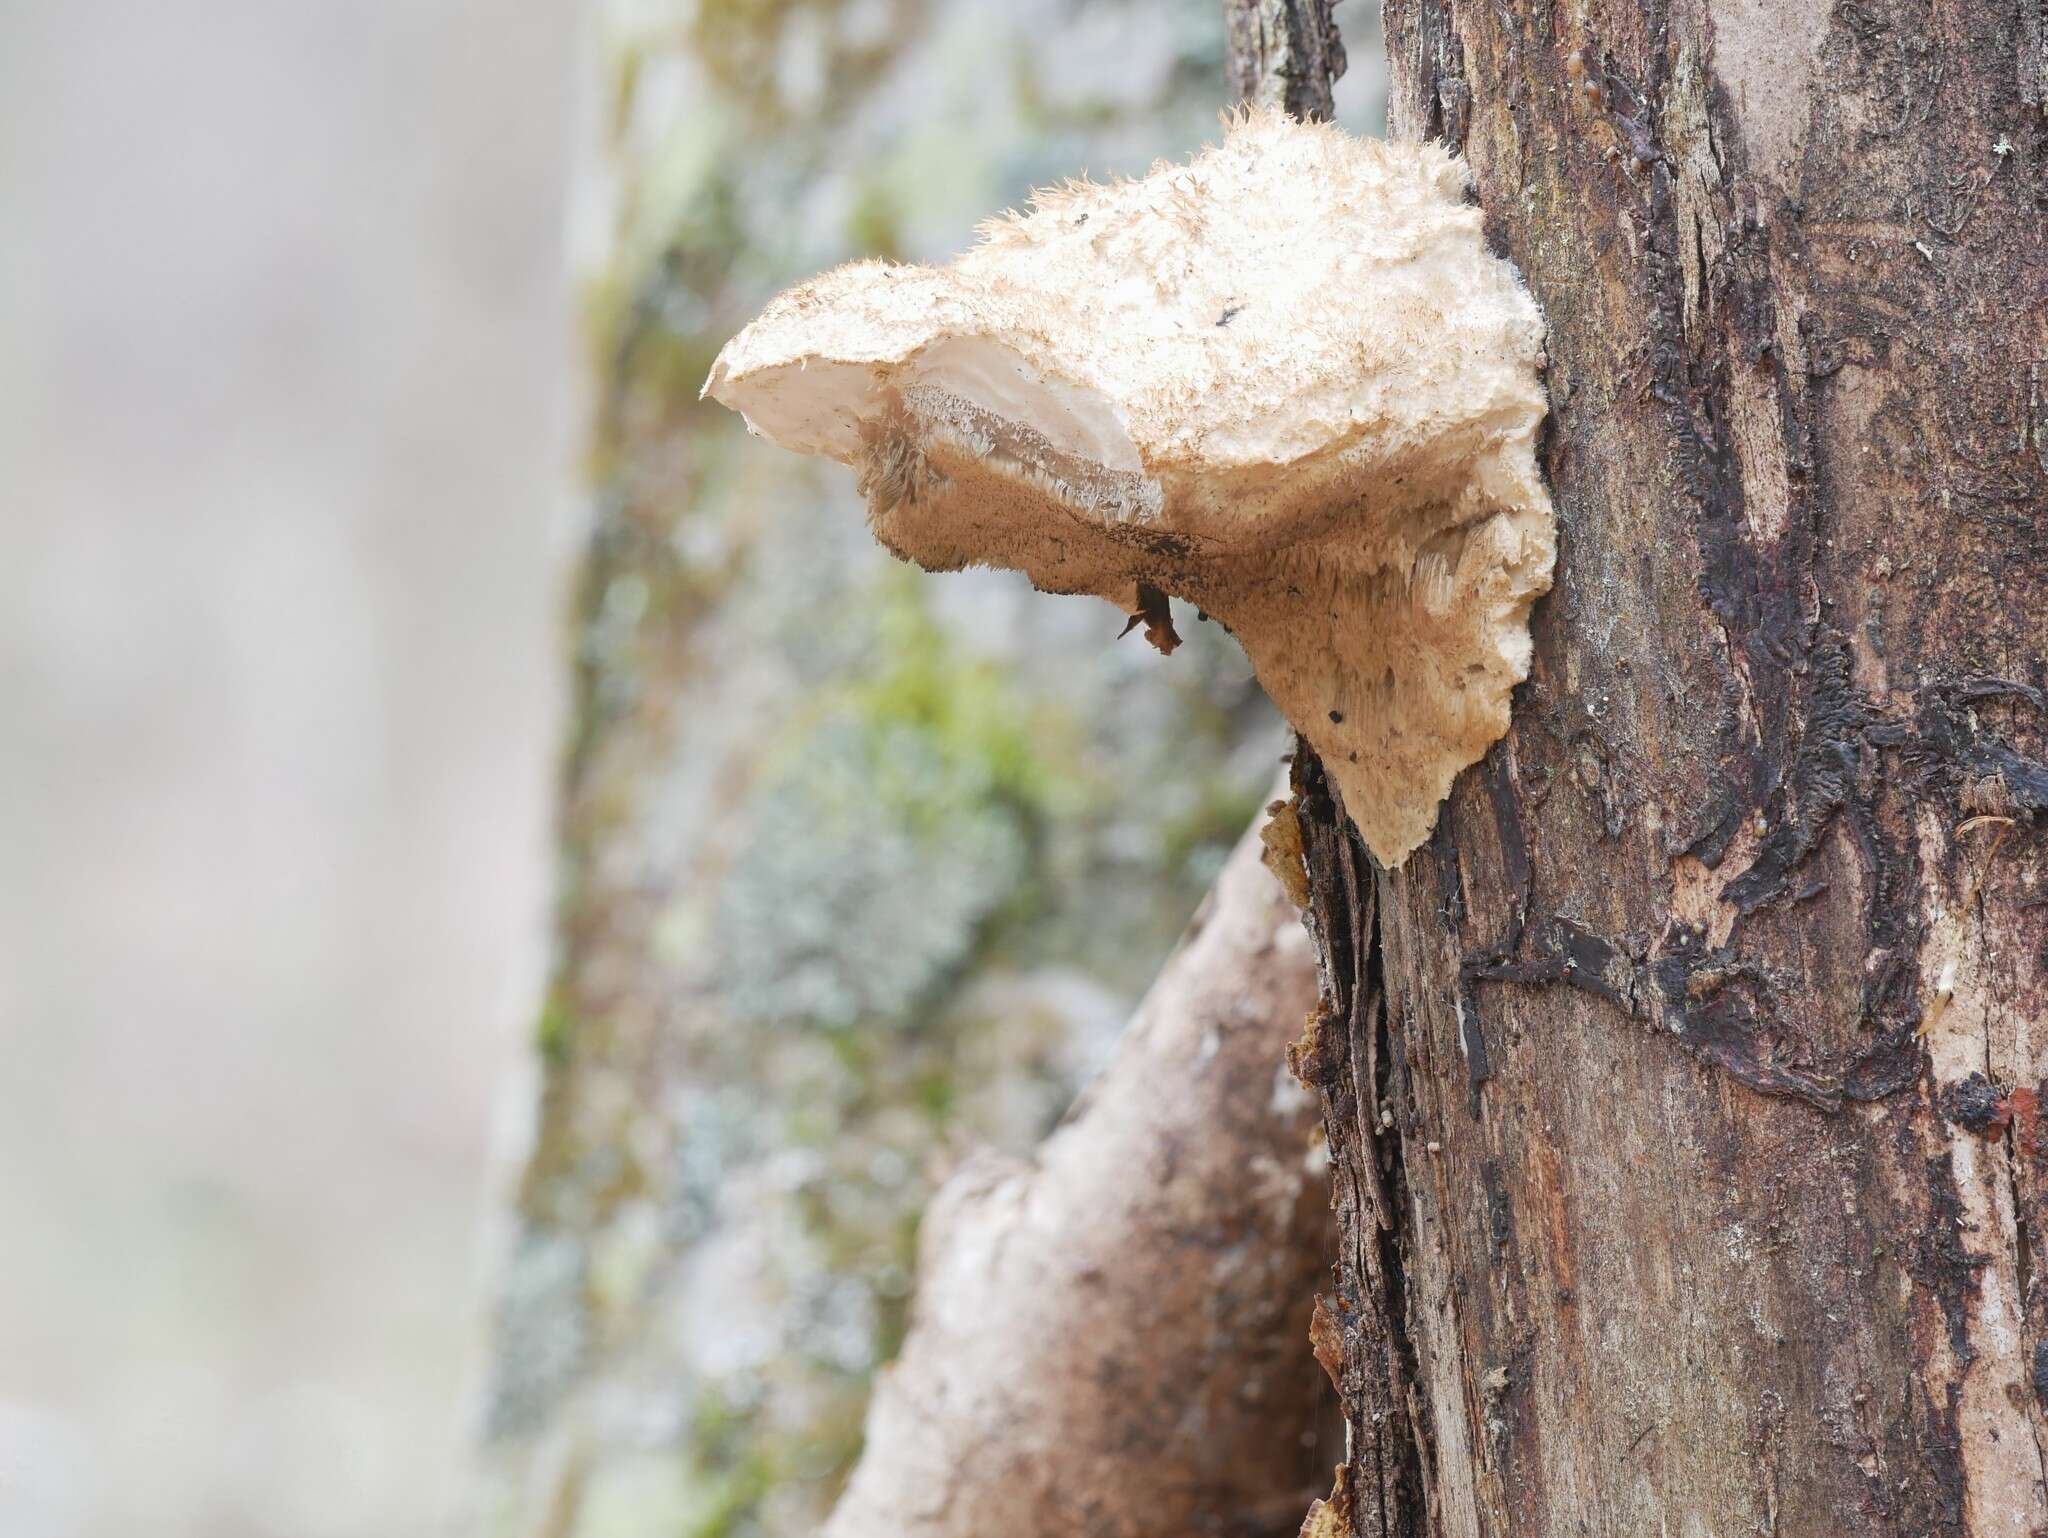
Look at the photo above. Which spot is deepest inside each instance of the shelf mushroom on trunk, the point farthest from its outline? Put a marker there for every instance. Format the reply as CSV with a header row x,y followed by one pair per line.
x,y
1286,382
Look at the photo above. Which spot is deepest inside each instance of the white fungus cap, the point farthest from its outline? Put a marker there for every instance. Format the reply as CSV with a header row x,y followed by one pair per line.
x,y
1286,382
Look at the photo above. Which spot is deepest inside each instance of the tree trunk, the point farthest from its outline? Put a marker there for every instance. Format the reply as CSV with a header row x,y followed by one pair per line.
x,y
1284,53
1682,1092
1107,1338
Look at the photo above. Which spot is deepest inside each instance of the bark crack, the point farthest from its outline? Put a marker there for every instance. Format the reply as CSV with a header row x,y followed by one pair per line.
x,y
1352,1058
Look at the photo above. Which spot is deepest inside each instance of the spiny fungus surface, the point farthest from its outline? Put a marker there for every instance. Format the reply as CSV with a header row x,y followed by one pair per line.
x,y
1286,383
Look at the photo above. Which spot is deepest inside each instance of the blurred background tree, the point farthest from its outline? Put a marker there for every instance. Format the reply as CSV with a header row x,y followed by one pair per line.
x,y
856,866
285,425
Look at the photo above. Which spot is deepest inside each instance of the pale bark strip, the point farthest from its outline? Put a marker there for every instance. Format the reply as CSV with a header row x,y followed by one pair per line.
x,y
1111,1338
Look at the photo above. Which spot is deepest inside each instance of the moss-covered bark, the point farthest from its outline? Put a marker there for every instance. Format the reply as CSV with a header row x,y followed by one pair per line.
x,y
854,866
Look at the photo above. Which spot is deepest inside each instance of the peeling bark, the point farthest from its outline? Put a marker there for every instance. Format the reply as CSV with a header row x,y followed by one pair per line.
x,y
1107,1340
1683,1092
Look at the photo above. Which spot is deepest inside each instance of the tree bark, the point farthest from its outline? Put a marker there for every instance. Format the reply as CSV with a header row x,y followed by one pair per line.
x,y
1284,53
1107,1339
1683,1093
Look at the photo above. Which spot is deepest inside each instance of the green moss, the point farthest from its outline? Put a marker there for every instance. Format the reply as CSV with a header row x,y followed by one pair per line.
x,y
967,708
936,1094
654,318
626,65
1207,829
554,1031
734,1462
874,222
720,1431
669,369
735,1498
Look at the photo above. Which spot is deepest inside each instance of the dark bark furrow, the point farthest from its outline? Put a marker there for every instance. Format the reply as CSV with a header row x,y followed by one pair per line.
x,y
1349,1060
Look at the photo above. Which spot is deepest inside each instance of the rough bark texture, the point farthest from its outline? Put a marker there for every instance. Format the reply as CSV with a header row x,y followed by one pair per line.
x,y
1108,1338
1683,1092
1285,53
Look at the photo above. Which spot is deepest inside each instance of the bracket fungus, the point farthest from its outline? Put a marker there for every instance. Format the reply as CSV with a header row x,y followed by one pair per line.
x,y
1286,382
